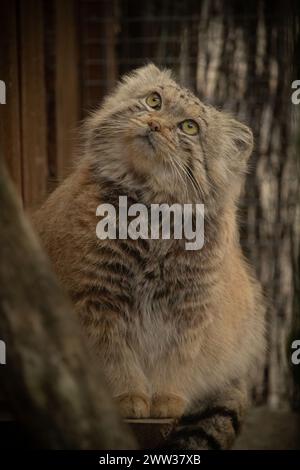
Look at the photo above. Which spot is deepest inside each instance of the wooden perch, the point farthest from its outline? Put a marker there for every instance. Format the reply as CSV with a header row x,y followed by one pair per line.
x,y
152,433
53,386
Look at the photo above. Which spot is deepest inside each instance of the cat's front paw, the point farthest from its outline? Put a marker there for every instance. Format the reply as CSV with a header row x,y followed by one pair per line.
x,y
167,406
133,405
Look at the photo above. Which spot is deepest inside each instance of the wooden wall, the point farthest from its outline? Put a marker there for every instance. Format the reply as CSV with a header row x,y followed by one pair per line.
x,y
37,144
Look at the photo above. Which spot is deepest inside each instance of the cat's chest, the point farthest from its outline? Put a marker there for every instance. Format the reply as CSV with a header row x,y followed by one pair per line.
x,y
164,281
167,299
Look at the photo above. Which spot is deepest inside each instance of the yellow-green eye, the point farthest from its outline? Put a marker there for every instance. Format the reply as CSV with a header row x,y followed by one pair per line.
x,y
189,127
154,100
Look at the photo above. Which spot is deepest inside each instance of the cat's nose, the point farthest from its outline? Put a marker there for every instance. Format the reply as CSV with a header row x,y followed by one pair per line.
x,y
154,125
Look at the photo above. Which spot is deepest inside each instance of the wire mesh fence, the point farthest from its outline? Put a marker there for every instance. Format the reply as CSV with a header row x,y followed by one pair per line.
x,y
242,58
239,56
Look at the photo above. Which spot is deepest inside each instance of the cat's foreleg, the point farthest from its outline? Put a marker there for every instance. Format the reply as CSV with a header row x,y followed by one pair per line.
x,y
169,390
127,381
108,334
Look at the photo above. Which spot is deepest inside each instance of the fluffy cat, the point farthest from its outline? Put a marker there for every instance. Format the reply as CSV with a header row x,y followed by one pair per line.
x,y
176,331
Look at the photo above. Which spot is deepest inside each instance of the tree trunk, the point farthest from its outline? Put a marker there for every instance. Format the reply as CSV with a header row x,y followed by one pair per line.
x,y
245,64
52,384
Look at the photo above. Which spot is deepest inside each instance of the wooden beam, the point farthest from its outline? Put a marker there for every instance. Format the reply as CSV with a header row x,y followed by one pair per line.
x,y
10,145
152,433
33,107
66,84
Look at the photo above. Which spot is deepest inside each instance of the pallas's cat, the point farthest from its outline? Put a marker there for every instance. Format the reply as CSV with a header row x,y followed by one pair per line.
x,y
175,331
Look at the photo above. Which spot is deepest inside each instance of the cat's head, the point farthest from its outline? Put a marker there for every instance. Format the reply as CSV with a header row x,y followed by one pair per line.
x,y
152,130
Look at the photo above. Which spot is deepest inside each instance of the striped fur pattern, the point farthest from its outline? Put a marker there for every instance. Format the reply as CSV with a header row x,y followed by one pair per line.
x,y
214,424
170,327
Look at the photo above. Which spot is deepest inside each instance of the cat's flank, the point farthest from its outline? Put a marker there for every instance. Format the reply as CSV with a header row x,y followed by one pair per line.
x,y
175,331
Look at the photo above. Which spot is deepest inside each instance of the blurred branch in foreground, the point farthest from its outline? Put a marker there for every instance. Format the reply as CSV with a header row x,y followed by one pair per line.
x,y
53,387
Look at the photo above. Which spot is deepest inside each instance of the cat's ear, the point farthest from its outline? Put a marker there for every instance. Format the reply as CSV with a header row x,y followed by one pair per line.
x,y
146,73
241,137
149,69
236,143
232,140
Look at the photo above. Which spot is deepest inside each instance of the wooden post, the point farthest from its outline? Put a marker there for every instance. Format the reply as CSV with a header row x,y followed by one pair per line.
x,y
66,84
10,136
33,112
23,117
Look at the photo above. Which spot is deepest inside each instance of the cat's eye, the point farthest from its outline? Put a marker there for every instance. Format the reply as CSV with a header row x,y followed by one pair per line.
x,y
189,127
154,100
